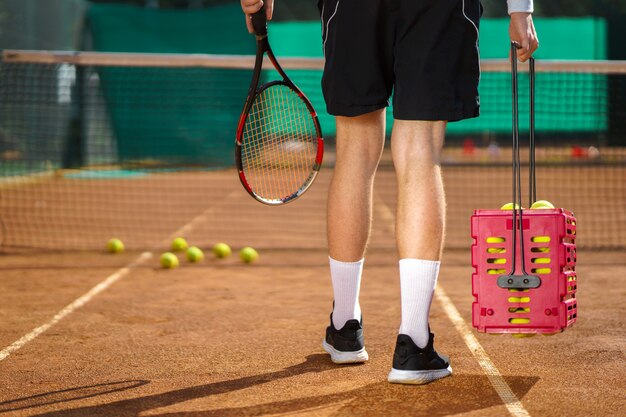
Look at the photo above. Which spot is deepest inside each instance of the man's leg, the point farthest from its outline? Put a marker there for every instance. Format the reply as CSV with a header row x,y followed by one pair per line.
x,y
420,223
420,220
360,142
416,150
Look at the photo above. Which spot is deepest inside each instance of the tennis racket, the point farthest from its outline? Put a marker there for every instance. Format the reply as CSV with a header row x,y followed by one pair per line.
x,y
279,145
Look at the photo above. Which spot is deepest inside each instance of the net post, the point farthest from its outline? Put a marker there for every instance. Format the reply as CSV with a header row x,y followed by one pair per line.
x,y
74,149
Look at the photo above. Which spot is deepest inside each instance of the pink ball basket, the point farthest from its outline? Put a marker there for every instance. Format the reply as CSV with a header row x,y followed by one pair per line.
x,y
546,302
524,280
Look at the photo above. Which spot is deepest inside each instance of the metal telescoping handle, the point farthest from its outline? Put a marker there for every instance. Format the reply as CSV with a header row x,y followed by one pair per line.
x,y
512,280
517,182
532,178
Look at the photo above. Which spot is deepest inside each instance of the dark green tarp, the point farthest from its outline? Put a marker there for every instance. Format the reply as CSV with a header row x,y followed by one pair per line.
x,y
568,110
172,116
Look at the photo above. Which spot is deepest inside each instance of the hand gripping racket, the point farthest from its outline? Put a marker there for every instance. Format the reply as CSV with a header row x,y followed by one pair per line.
x,y
279,145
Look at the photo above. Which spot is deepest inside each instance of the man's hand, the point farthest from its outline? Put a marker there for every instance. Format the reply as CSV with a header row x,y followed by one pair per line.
x,y
252,6
522,31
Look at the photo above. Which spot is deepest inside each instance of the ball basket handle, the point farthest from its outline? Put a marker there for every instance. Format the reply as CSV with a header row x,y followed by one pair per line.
x,y
513,280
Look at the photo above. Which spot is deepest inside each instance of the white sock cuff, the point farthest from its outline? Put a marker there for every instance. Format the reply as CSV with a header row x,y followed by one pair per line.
x,y
340,263
423,264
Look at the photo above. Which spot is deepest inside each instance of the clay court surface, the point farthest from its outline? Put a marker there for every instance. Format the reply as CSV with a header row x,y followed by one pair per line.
x,y
222,338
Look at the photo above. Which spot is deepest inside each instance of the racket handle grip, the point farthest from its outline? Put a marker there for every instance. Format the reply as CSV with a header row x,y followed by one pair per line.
x,y
259,22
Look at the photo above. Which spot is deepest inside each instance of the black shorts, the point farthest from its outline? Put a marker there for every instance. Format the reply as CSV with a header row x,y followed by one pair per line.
x,y
425,51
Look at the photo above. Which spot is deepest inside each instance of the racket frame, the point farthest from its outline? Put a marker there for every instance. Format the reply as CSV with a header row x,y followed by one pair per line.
x,y
263,47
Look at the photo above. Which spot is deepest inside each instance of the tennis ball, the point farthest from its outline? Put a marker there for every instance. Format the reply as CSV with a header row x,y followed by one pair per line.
x,y
115,246
248,254
523,335
222,250
496,260
509,206
194,254
542,204
541,260
169,260
494,239
179,244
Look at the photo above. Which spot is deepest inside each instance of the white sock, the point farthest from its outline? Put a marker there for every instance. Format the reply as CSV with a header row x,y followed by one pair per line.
x,y
418,279
346,277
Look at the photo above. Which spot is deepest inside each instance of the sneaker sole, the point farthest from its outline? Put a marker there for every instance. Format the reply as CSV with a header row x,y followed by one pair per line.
x,y
399,376
338,356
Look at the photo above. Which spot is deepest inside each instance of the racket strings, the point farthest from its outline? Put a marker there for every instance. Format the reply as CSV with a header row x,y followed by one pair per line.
x,y
279,144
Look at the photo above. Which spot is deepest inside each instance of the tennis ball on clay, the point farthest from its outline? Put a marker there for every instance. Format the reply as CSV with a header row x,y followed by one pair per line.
x,y
248,254
222,250
179,244
195,254
169,260
542,204
523,335
115,246
509,206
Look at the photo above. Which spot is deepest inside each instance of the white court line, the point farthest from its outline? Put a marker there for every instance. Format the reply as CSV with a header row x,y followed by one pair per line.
x,y
512,403
79,302
89,295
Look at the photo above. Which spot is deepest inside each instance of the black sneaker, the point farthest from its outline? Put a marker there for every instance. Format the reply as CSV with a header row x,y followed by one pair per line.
x,y
345,345
413,365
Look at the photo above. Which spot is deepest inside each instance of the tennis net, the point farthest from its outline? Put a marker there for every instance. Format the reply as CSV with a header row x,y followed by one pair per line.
x,y
140,146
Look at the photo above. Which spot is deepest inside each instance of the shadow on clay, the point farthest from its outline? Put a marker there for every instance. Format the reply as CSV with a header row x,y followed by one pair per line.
x,y
457,394
69,394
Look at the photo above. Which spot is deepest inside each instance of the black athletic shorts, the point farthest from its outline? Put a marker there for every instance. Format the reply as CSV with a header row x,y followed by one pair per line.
x,y
424,51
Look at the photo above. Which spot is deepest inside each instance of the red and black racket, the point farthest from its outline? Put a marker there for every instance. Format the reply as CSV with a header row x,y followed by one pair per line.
x,y
279,139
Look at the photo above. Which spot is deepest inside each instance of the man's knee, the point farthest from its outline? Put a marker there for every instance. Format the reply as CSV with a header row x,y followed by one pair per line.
x,y
368,127
361,138
417,141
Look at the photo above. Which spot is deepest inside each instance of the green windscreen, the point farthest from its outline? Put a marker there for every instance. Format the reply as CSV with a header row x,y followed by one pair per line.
x,y
190,131
590,111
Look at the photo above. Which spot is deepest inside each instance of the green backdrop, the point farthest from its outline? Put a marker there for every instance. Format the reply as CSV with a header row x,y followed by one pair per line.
x,y
173,115
558,107
204,129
